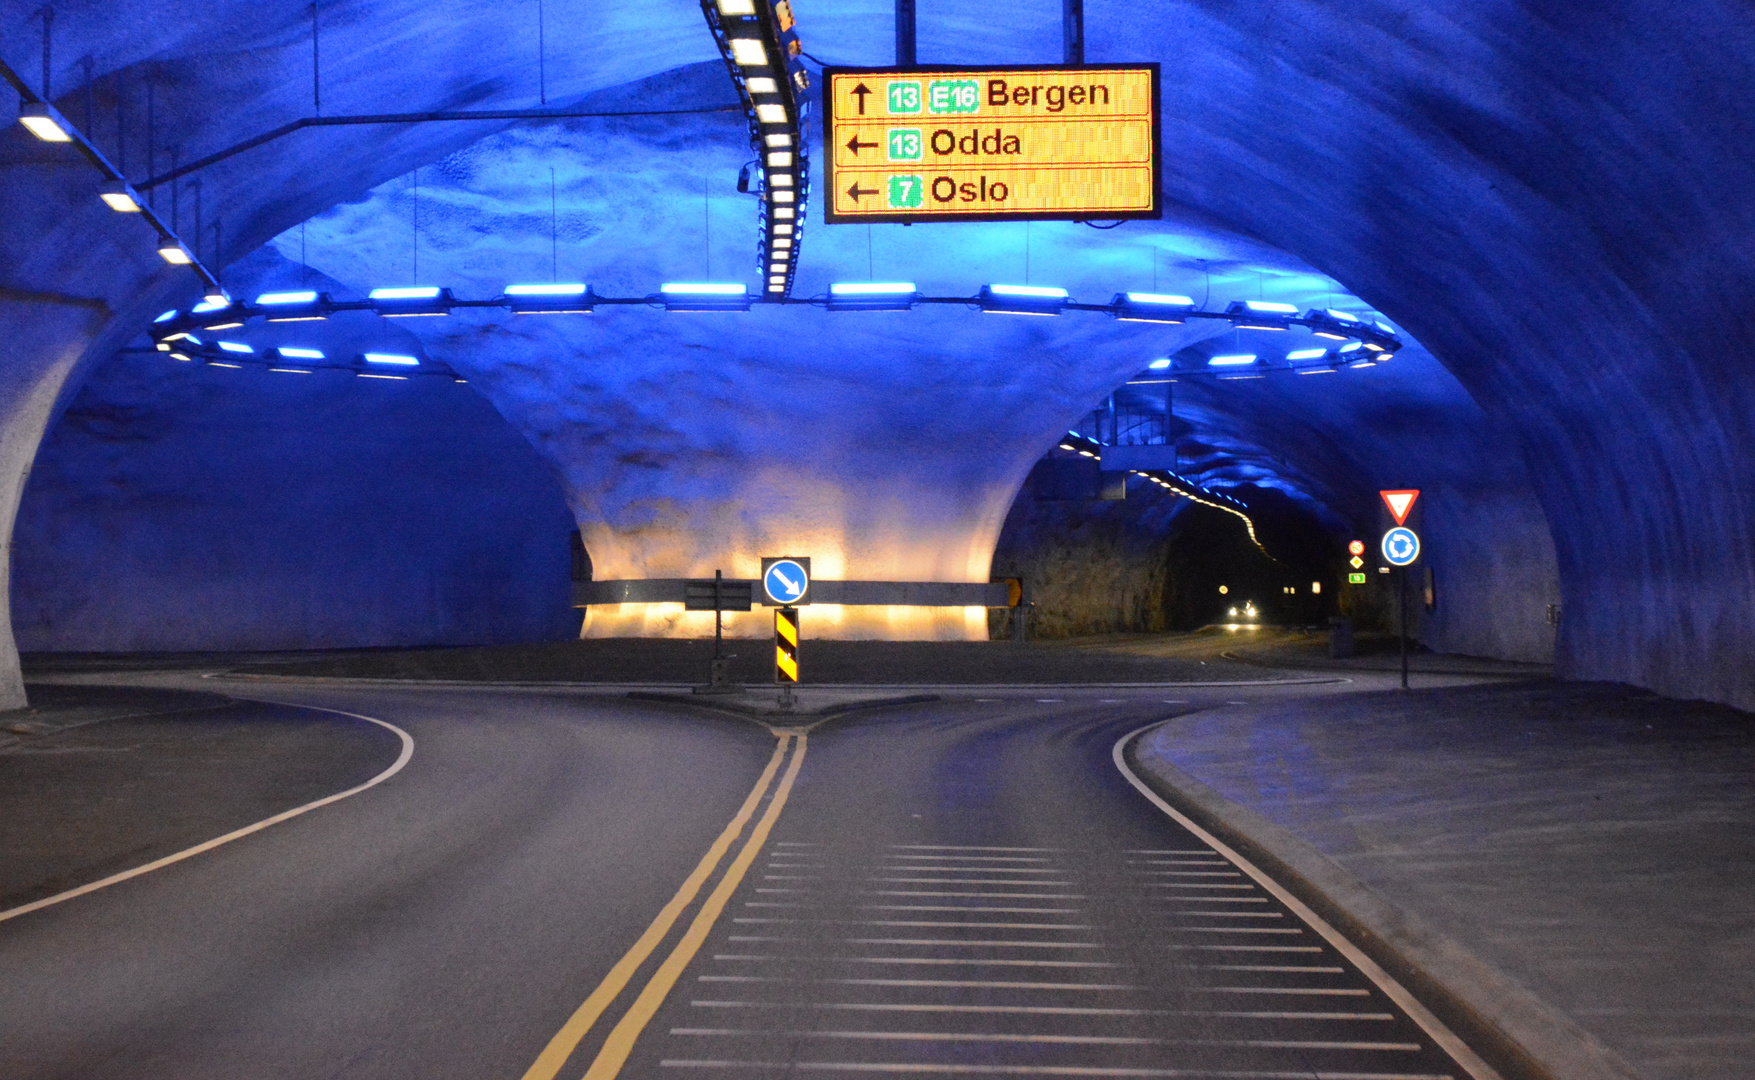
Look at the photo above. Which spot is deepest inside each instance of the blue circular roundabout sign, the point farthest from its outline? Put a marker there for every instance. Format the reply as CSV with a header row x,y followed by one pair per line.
x,y
1401,546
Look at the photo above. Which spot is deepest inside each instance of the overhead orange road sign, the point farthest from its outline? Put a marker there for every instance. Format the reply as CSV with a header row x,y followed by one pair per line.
x,y
1399,503
948,144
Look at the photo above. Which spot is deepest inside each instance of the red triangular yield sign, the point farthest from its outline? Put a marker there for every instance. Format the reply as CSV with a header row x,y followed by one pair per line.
x,y
1399,503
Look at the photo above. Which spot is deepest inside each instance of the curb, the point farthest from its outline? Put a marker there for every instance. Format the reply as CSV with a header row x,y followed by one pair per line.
x,y
717,703
1513,1030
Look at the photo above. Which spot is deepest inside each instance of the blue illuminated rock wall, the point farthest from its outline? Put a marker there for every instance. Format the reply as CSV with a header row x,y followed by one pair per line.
x,y
218,509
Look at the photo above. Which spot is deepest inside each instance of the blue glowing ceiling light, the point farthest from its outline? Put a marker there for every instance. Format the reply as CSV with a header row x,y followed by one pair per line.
x,y
411,301
1363,363
1151,307
745,8
1266,307
748,52
1022,299
705,296
551,298
1352,347
234,346
173,252
207,306
283,299
167,316
1318,369
1159,364
184,336
1307,354
408,292
394,359
1232,360
872,295
181,356
1259,314
290,352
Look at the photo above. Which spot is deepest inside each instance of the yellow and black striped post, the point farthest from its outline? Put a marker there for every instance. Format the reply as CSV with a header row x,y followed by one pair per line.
x,y
786,645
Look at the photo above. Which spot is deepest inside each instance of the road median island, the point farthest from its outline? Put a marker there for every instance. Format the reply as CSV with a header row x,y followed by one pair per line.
x,y
1512,853
97,781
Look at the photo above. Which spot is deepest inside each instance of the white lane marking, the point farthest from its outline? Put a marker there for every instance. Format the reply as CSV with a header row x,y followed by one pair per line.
x,y
1175,701
1212,899
1236,702
791,877
796,843
1110,701
1196,873
1434,1028
1049,700
974,895
922,923
970,907
1230,929
236,834
1243,948
972,858
945,941
1280,968
963,984
1044,1010
1197,885
974,881
965,847
1074,1040
1037,1070
1230,914
1159,851
936,961
1318,991
968,870
1214,861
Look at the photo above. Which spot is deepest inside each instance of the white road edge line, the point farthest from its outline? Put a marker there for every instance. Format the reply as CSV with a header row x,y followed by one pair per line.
x,y
236,834
1395,991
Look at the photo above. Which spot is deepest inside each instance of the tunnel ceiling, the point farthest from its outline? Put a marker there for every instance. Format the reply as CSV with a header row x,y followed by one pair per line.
x,y
1559,211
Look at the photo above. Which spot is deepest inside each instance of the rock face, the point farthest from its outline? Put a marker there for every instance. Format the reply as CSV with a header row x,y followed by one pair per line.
x,y
176,509
1558,210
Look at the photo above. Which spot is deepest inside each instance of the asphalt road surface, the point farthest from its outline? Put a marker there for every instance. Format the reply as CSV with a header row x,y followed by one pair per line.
x,y
569,886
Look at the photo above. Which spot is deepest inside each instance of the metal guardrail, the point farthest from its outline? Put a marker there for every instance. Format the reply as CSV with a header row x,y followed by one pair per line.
x,y
996,594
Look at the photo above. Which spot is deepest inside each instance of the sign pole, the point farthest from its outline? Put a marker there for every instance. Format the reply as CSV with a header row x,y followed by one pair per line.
x,y
1402,603
718,614
786,655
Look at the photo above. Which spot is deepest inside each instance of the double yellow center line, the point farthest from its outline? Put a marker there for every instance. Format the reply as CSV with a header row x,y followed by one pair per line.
x,y
620,1042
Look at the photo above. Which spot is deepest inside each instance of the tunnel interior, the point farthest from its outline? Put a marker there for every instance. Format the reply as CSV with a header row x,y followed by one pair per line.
x,y
1570,399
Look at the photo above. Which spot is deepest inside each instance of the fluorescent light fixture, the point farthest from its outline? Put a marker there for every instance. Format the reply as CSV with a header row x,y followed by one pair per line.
x,y
1159,364
781,196
782,230
780,159
737,7
1270,307
1354,347
278,299
1036,291
292,353
1022,299
1307,354
761,84
121,198
782,213
705,296
1381,357
779,179
221,363
223,326
292,370
1150,307
1373,346
191,338
175,253
872,295
217,297
391,358
374,375
181,356
206,306
748,52
413,292
1340,316
771,114
1362,363
162,346
234,346
1323,369
546,290
1234,378
1385,327
783,243
778,139
41,120
1232,360
166,316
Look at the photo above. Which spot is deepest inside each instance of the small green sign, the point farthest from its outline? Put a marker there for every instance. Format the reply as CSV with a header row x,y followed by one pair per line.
x,y
1356,579
905,144
906,192
904,97
953,96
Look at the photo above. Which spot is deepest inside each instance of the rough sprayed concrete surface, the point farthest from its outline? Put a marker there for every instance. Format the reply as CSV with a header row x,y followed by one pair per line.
x,y
1592,842
1554,206
175,509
